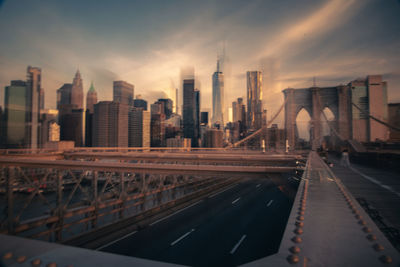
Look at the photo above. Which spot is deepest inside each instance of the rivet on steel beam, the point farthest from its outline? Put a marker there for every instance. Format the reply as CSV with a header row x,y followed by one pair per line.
x,y
298,231
302,208
7,256
297,239
386,259
294,249
36,262
378,247
358,217
301,212
51,264
367,229
362,222
371,237
300,218
300,224
21,259
293,259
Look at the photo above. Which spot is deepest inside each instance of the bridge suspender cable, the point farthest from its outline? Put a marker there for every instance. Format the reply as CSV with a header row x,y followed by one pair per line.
x,y
259,131
376,119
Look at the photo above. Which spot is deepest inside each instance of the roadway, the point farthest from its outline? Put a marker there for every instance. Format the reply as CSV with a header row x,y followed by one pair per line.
x,y
236,225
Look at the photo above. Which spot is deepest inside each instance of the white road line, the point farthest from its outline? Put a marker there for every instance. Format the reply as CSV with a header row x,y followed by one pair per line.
x,y
236,200
238,244
375,181
222,191
176,212
258,185
182,237
270,202
115,241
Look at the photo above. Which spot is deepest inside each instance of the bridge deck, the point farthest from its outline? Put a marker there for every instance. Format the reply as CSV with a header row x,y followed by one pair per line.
x,y
334,229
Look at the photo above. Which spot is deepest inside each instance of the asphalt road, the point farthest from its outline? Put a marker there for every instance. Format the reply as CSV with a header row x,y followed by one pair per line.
x,y
240,224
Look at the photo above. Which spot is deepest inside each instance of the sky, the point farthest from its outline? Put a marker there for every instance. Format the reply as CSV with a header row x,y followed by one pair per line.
x,y
147,43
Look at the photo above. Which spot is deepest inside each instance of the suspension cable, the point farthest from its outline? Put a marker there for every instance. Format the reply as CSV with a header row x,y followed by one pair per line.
x,y
259,131
376,119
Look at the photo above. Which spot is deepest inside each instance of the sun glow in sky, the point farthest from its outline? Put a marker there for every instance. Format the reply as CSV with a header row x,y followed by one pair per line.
x,y
147,43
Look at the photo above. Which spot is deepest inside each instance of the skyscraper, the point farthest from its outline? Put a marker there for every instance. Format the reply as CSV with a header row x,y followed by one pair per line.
x,y
15,115
218,96
197,114
123,92
70,110
254,99
370,95
64,94
77,91
138,102
110,127
91,100
33,84
139,128
189,111
167,106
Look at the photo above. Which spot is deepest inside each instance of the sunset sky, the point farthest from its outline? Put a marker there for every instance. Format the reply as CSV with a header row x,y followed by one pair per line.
x,y
147,43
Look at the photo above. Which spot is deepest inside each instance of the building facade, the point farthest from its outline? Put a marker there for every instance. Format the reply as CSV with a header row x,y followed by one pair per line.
x,y
189,111
139,128
91,100
123,92
254,99
218,97
110,127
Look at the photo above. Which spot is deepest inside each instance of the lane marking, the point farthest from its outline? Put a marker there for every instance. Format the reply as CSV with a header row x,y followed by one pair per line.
x,y
258,185
238,244
176,212
222,191
182,237
115,241
375,181
270,202
236,200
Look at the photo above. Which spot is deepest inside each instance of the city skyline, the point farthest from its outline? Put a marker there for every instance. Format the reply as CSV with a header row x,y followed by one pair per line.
x,y
335,41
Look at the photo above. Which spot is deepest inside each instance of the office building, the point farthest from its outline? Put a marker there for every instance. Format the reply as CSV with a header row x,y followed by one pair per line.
x,y
197,113
33,84
15,115
123,92
22,111
77,91
214,138
139,128
64,94
394,120
370,95
91,100
218,96
204,118
71,110
168,105
49,128
110,124
189,111
254,99
139,102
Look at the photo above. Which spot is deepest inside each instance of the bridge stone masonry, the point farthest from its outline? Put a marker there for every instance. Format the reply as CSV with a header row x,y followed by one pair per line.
x,y
314,100
326,225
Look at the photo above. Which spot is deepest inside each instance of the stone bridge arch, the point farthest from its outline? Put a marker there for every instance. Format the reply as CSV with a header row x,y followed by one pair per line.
x,y
314,100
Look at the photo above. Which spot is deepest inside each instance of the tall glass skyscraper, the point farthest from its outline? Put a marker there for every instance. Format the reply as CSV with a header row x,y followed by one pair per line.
x,y
254,99
218,97
189,111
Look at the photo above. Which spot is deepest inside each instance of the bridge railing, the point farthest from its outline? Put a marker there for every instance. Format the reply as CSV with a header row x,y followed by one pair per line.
x,y
53,201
